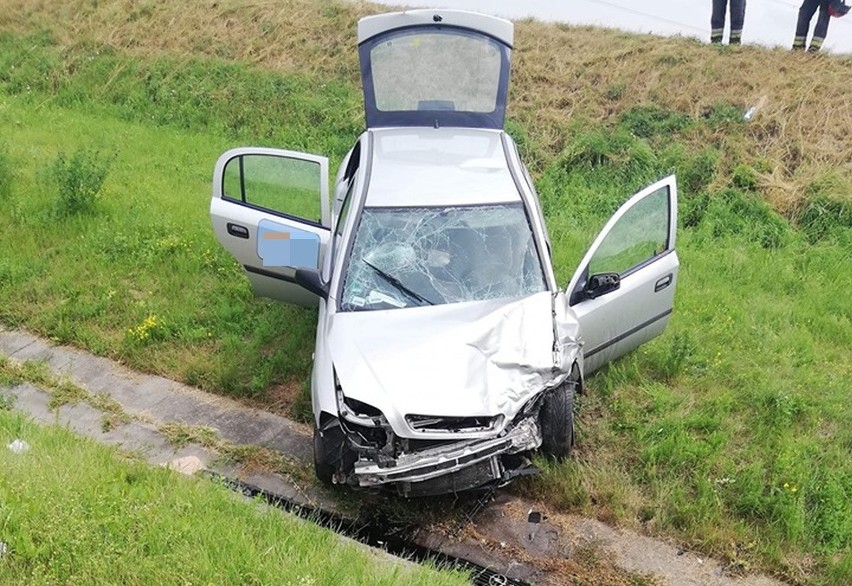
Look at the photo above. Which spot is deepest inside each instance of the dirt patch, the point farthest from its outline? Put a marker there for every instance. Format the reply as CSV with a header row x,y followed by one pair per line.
x,y
280,398
593,552
510,529
285,399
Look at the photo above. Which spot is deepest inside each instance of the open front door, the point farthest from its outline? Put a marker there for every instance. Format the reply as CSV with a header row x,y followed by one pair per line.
x,y
435,68
270,211
623,291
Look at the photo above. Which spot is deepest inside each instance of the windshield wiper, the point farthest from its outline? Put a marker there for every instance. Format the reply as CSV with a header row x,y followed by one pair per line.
x,y
397,283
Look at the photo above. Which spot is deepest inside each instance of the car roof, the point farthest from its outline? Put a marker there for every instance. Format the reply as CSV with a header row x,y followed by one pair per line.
x,y
422,167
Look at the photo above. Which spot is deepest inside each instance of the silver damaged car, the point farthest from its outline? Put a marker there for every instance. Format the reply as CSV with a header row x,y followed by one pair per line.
x,y
445,350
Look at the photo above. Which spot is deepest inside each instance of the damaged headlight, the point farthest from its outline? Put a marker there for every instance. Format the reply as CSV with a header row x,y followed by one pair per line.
x,y
366,428
356,411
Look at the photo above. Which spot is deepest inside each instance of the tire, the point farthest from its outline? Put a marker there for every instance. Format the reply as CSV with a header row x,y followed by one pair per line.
x,y
556,418
331,454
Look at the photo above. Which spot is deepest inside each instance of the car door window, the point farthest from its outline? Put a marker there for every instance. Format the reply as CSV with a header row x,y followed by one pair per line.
x,y
641,234
284,186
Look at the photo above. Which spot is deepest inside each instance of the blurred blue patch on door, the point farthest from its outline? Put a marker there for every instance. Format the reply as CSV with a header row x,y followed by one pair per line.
x,y
279,245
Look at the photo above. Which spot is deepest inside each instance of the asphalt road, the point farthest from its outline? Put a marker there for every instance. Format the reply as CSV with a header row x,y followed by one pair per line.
x,y
768,22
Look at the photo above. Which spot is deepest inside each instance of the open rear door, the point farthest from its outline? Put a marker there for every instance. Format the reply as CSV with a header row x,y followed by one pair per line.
x,y
435,68
623,291
270,210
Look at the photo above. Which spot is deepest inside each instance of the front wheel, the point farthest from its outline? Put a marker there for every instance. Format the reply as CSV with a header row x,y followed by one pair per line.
x,y
557,418
331,454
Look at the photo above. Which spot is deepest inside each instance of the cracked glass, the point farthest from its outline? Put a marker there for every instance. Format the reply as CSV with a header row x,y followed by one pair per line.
x,y
405,257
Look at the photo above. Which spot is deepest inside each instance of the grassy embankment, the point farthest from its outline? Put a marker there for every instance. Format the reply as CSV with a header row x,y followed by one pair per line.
x,y
73,512
731,433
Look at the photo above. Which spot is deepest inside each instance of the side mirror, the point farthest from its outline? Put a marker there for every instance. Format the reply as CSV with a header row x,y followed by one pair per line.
x,y
311,280
601,284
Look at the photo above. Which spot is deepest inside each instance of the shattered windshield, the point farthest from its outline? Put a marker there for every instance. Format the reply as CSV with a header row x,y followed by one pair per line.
x,y
405,257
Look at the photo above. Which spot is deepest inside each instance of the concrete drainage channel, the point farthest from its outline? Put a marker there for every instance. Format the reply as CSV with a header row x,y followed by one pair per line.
x,y
395,540
506,540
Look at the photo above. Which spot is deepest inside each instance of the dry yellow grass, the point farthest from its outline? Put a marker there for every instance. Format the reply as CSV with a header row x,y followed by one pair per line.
x,y
804,127
802,133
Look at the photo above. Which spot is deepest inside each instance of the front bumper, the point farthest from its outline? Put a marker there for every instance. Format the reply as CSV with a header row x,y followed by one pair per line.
x,y
483,455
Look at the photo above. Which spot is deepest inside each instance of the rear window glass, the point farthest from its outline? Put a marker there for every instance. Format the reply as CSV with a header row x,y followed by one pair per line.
x,y
436,70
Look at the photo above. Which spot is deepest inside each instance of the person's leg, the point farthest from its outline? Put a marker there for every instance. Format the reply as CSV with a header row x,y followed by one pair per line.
x,y
738,8
821,29
806,13
717,21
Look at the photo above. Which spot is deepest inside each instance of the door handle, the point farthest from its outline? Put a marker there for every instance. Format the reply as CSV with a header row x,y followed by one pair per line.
x,y
663,283
238,231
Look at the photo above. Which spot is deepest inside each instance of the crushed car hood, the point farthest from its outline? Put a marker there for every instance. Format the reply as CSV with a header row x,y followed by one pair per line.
x,y
462,359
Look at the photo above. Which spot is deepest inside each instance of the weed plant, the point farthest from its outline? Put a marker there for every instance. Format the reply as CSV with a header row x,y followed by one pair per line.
x,y
78,180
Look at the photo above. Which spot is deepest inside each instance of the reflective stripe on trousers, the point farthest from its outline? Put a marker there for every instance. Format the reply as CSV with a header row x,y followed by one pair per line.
x,y
717,18
806,13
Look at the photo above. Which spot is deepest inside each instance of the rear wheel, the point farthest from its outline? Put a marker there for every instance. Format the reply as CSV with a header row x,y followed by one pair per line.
x,y
331,453
557,418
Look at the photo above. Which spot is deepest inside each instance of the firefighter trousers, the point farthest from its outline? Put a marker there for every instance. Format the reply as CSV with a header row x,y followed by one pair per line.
x,y
806,13
717,20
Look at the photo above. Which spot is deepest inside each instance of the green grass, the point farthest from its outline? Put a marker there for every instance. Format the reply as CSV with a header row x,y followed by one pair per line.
x,y
6,175
142,279
74,512
730,433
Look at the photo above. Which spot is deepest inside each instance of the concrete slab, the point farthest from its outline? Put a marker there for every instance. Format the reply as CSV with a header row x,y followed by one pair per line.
x,y
160,399
94,372
38,350
137,437
139,395
32,401
295,444
13,342
82,419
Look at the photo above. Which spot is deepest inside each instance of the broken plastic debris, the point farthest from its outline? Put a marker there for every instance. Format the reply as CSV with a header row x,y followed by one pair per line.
x,y
3,549
18,446
753,110
533,517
